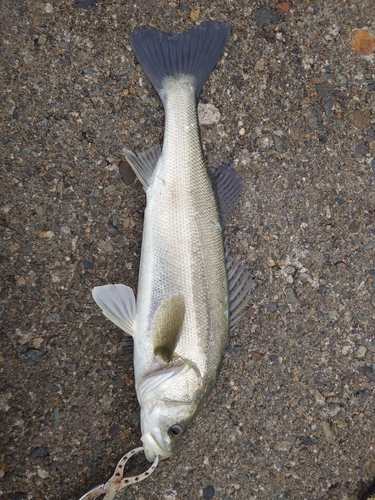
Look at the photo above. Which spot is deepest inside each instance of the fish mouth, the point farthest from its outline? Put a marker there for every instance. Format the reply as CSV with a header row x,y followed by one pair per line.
x,y
153,445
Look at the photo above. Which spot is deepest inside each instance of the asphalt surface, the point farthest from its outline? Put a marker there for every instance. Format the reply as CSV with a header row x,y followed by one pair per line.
x,y
293,413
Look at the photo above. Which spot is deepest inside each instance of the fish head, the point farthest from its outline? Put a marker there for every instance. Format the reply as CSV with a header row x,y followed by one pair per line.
x,y
169,399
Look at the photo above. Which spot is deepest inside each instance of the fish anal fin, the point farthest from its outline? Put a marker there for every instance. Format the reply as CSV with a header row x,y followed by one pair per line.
x,y
117,303
143,163
228,186
167,325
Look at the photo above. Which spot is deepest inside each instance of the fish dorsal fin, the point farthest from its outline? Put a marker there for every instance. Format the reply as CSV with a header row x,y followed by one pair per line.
x,y
118,304
228,186
166,328
143,163
240,286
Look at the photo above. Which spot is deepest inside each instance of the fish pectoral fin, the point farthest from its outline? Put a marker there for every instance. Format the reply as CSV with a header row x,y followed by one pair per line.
x,y
240,287
228,186
118,304
167,325
143,163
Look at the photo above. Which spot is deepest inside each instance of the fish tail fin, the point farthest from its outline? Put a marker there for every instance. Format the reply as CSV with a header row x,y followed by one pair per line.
x,y
194,52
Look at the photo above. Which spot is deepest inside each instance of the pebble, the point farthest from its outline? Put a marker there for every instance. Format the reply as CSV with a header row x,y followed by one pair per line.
x,y
208,493
42,451
118,382
259,65
37,342
42,39
306,440
56,415
114,430
325,90
328,434
310,325
84,4
348,316
42,473
328,108
292,298
289,270
267,34
370,245
361,118
46,234
48,8
208,114
360,352
52,387
271,306
346,350
126,172
105,246
34,356
341,79
53,318
314,117
28,58
65,230
354,227
333,408
321,289
21,281
170,495
256,355
89,71
361,149
97,320
341,423
279,144
194,14
264,16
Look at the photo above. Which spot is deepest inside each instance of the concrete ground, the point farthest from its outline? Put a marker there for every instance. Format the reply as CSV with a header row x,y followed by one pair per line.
x,y
293,413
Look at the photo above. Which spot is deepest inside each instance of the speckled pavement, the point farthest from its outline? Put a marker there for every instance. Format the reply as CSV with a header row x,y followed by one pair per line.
x,y
291,106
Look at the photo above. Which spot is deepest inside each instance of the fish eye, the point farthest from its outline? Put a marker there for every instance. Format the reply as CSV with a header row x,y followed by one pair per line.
x,y
177,430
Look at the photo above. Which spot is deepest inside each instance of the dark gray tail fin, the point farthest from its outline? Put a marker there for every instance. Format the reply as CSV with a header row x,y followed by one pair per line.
x,y
194,52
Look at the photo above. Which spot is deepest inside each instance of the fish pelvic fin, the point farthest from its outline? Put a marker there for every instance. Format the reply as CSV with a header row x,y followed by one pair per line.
x,y
143,163
117,303
168,320
194,52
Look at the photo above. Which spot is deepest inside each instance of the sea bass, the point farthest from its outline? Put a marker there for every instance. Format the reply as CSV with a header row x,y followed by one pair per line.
x,y
190,289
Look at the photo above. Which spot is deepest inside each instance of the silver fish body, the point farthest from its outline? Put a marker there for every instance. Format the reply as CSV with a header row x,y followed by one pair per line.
x,y
182,256
189,290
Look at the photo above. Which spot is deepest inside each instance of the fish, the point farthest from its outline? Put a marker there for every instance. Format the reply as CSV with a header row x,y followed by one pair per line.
x,y
191,291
